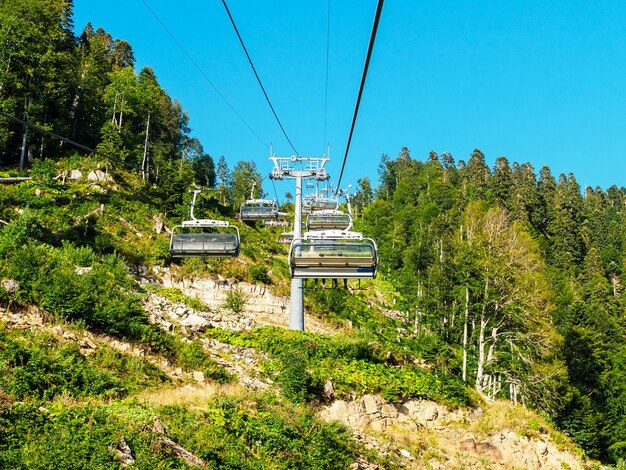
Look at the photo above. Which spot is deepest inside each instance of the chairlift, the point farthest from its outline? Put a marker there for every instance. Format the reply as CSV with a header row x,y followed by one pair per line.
x,y
328,220
333,254
204,244
314,203
259,209
285,238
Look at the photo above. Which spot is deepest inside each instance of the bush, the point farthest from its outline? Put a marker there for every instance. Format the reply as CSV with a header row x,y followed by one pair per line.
x,y
294,378
43,171
235,300
192,356
230,433
259,274
41,368
307,360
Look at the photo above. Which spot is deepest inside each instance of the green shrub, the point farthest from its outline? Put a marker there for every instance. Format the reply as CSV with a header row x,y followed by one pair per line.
x,y
617,452
306,360
192,356
294,378
235,300
39,367
25,229
82,256
43,171
230,433
258,273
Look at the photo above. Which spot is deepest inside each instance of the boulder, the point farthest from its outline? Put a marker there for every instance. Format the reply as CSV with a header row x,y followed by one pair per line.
x,y
99,175
75,175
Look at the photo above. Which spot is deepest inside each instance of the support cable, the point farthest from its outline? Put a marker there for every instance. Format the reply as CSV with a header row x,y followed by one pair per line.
x,y
232,20
370,48
195,64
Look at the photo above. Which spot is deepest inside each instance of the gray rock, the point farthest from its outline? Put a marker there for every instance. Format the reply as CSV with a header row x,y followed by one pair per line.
x,y
75,175
10,286
99,175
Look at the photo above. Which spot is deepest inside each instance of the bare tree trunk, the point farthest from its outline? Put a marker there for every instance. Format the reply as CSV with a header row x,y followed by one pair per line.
x,y
465,321
615,283
513,392
453,316
113,120
24,144
41,146
418,313
481,341
77,98
144,163
30,153
25,135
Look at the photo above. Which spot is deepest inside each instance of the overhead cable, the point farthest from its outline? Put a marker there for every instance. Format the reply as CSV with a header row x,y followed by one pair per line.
x,y
195,64
232,20
370,48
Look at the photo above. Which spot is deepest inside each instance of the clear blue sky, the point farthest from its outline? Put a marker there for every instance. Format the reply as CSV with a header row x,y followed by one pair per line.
x,y
536,81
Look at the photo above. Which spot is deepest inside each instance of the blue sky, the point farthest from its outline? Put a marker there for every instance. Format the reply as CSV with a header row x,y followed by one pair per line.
x,y
536,81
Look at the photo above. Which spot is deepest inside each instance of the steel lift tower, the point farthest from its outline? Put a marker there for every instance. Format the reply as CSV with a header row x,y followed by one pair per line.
x,y
298,168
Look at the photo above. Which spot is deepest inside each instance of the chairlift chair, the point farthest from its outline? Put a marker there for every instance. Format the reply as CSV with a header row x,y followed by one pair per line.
x,y
285,238
328,220
314,203
333,254
258,209
214,244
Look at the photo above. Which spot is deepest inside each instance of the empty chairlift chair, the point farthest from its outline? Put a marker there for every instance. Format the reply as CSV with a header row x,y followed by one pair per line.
x,y
222,241
312,204
328,220
333,254
258,209
285,238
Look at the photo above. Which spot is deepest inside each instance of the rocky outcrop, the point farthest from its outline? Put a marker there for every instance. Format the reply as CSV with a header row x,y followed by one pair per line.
x,y
177,316
215,292
261,308
374,412
448,433
99,175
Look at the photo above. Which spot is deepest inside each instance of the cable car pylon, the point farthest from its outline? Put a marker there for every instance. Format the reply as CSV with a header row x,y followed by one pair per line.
x,y
298,168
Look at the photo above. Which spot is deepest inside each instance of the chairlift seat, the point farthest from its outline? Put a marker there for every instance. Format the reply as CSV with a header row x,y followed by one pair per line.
x,y
333,259
258,209
209,245
329,220
212,244
285,238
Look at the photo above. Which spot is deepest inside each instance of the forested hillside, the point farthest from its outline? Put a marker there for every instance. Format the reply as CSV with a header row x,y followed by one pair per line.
x,y
496,280
517,277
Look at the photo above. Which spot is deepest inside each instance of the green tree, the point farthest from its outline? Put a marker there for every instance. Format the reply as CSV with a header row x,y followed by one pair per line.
x,y
243,176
